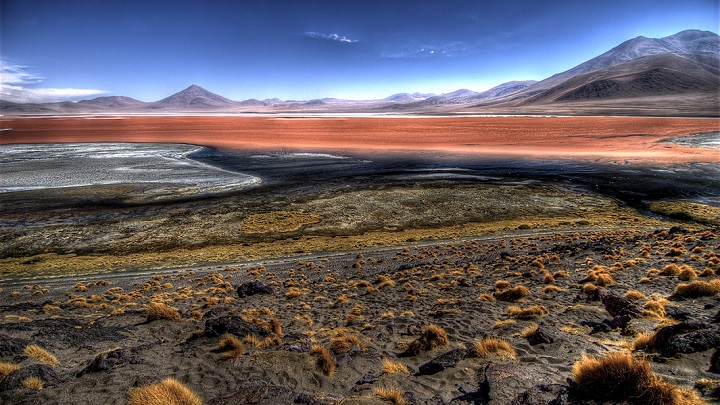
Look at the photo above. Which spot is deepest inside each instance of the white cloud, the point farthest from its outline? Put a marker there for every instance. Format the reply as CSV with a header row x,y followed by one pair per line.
x,y
330,37
14,82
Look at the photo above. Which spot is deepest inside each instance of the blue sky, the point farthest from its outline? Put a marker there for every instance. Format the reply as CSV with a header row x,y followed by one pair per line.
x,y
295,49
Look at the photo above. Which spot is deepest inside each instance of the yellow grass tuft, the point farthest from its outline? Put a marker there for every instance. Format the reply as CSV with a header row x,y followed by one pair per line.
x,y
670,270
696,289
655,308
589,288
635,295
551,289
392,395
512,294
642,341
530,331
232,347
619,377
502,284
167,392
41,355
344,343
32,383
433,336
687,273
158,310
7,368
485,297
490,345
527,313
325,360
393,367
502,324
604,279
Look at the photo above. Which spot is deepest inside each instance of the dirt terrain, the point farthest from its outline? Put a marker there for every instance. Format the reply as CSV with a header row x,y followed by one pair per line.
x,y
550,298
421,261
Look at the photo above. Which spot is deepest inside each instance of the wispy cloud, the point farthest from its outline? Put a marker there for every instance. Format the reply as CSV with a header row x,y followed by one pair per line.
x,y
17,85
449,49
330,37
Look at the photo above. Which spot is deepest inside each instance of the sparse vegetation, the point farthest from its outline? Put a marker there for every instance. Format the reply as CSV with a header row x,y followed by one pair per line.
x,y
167,392
432,337
392,395
41,355
33,383
619,377
231,347
488,345
158,310
696,289
344,343
527,313
393,367
7,368
325,360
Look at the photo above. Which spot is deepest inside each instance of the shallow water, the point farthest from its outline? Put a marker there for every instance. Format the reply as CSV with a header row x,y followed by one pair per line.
x,y
36,167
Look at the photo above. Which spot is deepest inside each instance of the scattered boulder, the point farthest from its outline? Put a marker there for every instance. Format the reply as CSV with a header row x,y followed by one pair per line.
x,y
252,288
234,325
540,336
216,312
686,337
41,371
11,347
440,363
108,360
619,306
715,362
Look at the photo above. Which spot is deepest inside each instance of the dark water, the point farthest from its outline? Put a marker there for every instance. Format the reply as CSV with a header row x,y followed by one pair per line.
x,y
631,183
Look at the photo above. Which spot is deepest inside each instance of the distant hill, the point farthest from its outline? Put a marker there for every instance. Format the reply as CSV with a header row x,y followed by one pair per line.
x,y
675,75
193,98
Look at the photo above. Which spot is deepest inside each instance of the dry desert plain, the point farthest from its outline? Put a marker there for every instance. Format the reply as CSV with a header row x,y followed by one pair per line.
x,y
405,273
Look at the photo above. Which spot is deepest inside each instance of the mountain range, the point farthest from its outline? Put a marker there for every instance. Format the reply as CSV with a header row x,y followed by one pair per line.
x,y
678,75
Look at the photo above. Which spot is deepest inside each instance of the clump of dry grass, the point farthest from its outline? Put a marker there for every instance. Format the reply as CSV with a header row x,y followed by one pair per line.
x,y
486,297
618,377
32,383
527,313
512,294
344,343
687,273
393,367
488,345
655,308
696,289
7,368
41,355
433,336
502,284
392,395
503,323
604,279
671,269
168,391
530,331
589,288
158,310
231,347
325,360
294,292
634,295
642,341
551,289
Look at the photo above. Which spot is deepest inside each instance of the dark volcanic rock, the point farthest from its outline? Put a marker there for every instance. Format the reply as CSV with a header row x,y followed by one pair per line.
x,y
263,394
539,337
440,363
106,361
619,306
234,325
715,362
41,371
252,288
217,312
686,337
10,347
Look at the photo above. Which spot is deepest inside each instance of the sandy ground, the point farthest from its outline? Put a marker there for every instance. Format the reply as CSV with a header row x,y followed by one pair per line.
x,y
383,299
614,139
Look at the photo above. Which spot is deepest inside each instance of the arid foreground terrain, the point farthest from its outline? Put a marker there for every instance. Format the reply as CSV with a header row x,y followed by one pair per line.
x,y
480,262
